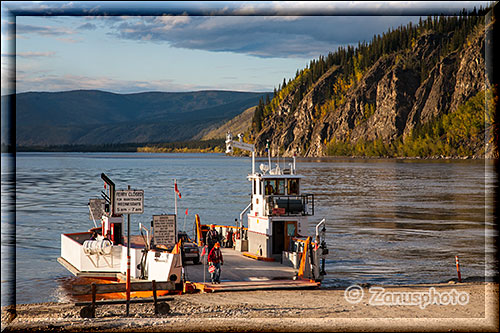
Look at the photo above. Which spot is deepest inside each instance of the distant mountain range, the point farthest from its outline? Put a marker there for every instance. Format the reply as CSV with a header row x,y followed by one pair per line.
x,y
92,117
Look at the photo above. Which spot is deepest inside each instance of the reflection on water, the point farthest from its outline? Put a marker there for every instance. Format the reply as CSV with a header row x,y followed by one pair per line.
x,y
388,221
403,221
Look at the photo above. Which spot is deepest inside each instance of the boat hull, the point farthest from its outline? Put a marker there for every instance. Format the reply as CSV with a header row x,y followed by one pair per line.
x,y
159,265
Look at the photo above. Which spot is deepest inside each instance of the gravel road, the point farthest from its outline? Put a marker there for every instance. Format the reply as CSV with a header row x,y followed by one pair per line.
x,y
280,311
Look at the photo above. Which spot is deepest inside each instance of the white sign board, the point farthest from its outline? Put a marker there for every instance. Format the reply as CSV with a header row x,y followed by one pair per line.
x,y
129,202
164,229
96,208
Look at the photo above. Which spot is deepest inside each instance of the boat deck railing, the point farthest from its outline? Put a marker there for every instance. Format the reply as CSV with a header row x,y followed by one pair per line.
x,y
287,205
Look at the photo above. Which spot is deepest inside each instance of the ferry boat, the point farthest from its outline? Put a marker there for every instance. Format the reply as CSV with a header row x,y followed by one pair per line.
x,y
105,253
277,220
278,217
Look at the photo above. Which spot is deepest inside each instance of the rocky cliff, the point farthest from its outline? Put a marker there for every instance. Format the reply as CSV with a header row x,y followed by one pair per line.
x,y
396,94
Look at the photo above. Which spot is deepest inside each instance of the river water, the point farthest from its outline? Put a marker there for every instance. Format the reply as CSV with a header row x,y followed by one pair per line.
x,y
388,221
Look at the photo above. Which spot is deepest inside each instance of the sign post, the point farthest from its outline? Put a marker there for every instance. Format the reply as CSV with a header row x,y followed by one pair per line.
x,y
165,229
129,202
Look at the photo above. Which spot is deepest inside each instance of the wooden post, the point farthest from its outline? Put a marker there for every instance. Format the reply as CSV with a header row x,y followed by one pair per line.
x,y
155,298
93,306
128,262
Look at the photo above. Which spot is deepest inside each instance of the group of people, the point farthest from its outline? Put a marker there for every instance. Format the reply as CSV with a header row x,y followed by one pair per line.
x,y
213,244
273,187
215,259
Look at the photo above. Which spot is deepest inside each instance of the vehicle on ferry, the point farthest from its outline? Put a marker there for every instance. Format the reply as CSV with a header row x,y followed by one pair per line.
x,y
191,251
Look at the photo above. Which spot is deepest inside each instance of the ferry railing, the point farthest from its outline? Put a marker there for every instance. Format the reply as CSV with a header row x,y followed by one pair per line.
x,y
289,205
223,231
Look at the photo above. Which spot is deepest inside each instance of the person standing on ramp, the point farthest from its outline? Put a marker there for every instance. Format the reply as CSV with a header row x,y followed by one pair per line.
x,y
215,261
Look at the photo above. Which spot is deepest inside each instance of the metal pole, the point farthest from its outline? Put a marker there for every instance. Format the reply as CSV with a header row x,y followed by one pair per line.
x,y
92,215
458,269
204,267
269,155
184,225
128,262
175,197
253,162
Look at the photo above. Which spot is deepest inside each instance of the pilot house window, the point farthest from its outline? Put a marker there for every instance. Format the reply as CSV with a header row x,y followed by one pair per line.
x,y
274,186
280,189
270,186
293,187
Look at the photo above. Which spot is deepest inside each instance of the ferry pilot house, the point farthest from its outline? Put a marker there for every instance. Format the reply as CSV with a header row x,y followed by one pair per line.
x,y
282,197
284,206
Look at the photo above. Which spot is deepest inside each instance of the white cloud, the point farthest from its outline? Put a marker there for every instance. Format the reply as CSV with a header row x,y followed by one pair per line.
x,y
68,40
46,30
34,54
168,22
44,81
260,36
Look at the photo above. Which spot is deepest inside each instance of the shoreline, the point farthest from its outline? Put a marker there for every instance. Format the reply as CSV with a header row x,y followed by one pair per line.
x,y
299,158
322,309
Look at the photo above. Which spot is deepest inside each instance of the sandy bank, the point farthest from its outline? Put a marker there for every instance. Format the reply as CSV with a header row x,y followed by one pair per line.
x,y
456,307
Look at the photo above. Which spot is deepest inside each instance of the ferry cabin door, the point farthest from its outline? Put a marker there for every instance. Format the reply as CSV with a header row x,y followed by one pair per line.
x,y
283,232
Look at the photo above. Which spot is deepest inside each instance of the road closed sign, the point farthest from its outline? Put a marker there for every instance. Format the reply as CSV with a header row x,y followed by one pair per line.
x,y
129,202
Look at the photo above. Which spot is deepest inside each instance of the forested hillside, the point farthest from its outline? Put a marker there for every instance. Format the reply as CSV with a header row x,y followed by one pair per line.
x,y
418,90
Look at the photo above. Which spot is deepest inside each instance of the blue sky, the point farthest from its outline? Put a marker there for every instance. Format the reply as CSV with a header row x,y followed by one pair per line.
x,y
244,46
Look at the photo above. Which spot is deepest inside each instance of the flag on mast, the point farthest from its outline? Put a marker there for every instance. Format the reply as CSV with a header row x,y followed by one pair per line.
x,y
177,190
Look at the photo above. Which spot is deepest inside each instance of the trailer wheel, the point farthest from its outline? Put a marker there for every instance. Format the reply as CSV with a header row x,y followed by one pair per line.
x,y
87,312
163,308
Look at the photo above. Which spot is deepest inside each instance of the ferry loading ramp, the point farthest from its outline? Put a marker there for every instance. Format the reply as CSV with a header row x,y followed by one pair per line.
x,y
241,273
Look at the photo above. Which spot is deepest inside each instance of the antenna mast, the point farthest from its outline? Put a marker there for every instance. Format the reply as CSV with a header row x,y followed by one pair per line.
x,y
241,145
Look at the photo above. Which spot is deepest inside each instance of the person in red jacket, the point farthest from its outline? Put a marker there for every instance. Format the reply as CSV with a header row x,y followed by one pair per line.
x,y
215,259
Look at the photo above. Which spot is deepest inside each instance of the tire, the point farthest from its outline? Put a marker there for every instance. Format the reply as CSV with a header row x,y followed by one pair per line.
x,y
163,308
87,312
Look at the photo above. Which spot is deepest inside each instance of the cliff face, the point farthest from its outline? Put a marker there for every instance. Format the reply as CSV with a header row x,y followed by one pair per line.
x,y
293,130
399,93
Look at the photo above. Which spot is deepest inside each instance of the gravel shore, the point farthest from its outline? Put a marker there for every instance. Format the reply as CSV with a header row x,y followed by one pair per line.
x,y
461,307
